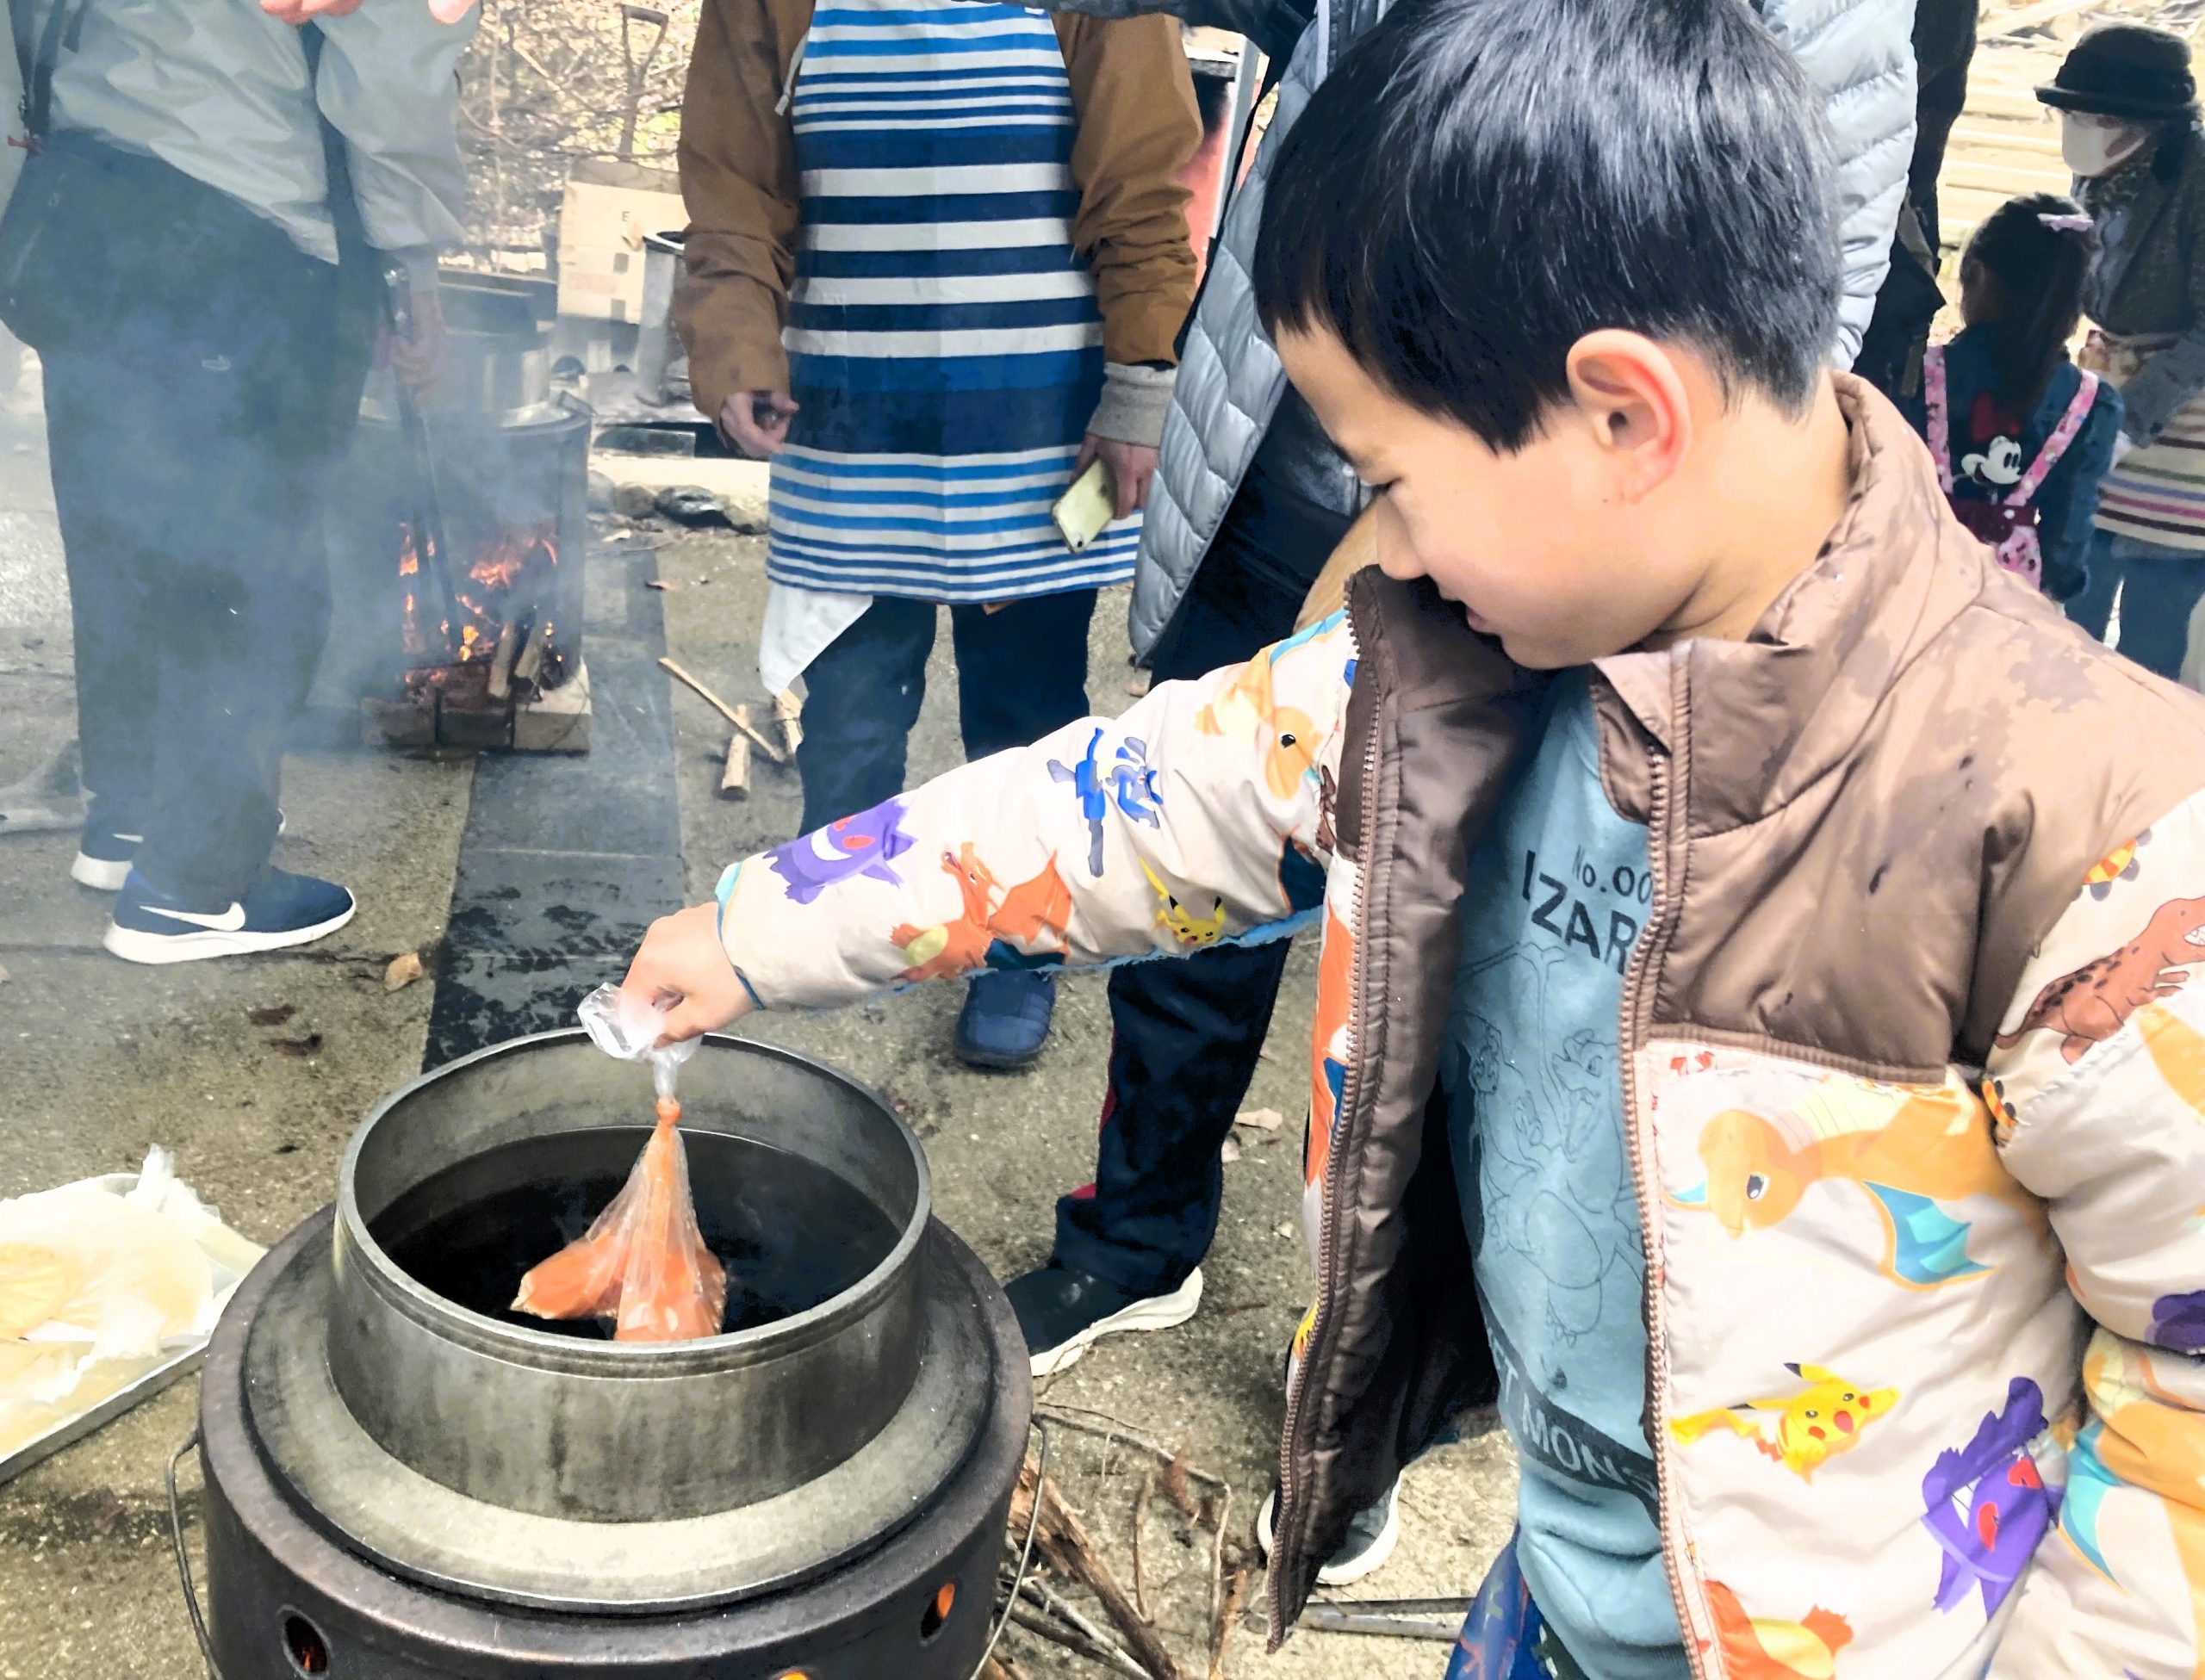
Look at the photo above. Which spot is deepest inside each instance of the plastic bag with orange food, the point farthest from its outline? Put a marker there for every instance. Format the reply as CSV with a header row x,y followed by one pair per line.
x,y
643,1263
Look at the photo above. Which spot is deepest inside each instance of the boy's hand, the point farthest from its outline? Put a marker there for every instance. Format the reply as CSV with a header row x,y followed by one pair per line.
x,y
681,958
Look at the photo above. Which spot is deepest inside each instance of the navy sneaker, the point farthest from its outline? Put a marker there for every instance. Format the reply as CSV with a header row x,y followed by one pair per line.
x,y
1005,1019
104,852
1372,1533
1064,1311
280,910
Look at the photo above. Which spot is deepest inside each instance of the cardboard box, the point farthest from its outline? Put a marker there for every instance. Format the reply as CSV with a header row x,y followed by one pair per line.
x,y
608,209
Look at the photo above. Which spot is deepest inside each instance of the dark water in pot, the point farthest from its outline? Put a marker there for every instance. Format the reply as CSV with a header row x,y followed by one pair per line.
x,y
790,1233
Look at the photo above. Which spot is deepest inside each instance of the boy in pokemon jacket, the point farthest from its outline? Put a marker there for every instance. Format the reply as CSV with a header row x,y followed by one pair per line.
x,y
1761,1032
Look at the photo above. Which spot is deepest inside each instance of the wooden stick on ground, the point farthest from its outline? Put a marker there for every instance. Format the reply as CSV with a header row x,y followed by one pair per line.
x,y
1236,1588
1220,1615
738,715
1064,1542
735,774
1072,1642
1140,1522
1109,1428
788,712
1071,1618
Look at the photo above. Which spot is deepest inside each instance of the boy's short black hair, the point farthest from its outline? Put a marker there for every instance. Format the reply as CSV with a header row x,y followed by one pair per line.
x,y
1481,183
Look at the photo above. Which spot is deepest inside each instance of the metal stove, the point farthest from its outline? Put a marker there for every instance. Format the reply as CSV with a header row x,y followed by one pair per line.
x,y
399,1489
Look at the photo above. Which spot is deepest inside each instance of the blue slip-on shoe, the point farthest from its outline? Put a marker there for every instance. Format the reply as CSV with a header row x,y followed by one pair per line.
x,y
104,853
106,850
280,910
1005,1019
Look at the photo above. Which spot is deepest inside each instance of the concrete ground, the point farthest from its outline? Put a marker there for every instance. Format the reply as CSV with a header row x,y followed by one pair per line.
x,y
99,1060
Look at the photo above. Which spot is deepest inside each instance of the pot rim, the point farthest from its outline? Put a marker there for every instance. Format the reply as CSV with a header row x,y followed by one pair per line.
x,y
547,1350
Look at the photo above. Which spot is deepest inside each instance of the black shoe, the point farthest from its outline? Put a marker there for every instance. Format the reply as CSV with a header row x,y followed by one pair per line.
x,y
1005,1019
1064,1311
281,910
1372,1536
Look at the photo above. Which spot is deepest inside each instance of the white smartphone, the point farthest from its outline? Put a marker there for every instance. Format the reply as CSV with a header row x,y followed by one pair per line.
x,y
1091,504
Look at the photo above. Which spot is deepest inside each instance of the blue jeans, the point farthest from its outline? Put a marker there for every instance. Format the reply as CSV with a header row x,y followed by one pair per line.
x,y
1021,672
2157,588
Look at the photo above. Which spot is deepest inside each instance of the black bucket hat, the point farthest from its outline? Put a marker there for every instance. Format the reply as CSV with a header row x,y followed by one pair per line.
x,y
2125,69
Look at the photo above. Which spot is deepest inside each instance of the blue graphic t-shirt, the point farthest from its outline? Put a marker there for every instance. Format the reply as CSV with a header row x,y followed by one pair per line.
x,y
1559,889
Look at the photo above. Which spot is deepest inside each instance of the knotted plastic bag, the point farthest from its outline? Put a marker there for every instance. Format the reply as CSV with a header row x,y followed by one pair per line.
x,y
643,1263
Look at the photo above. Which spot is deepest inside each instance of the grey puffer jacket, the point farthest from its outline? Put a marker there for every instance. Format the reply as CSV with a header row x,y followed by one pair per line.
x,y
1232,396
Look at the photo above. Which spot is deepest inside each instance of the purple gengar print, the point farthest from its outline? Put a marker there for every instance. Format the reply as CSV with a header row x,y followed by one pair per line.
x,y
2178,1323
866,844
1986,1505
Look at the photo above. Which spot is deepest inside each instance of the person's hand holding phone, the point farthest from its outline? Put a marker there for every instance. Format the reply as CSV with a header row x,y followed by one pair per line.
x,y
757,422
1131,466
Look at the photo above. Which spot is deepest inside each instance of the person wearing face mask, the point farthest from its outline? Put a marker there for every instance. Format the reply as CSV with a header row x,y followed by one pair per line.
x,y
2129,116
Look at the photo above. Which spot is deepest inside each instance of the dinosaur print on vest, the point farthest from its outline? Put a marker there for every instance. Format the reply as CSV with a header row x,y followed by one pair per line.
x,y
2096,1001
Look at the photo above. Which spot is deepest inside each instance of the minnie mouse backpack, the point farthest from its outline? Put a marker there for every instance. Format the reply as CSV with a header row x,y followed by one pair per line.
x,y
2008,524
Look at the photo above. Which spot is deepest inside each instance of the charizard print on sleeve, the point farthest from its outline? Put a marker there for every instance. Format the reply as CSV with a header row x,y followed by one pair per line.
x,y
2100,1083
1051,855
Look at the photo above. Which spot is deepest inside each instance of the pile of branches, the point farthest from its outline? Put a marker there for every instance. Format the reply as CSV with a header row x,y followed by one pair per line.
x,y
547,82
1037,1586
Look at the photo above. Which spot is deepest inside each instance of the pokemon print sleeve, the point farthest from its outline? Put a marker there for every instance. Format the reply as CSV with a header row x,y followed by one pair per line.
x,y
2097,1094
1200,816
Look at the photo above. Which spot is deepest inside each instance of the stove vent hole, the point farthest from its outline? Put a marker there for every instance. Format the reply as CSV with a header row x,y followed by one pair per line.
x,y
938,1611
304,1645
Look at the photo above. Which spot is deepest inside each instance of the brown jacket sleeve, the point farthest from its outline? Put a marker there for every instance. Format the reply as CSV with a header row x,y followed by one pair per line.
x,y
739,181
1138,127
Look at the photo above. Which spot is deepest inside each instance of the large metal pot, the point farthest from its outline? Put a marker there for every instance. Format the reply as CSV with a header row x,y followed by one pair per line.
x,y
532,1421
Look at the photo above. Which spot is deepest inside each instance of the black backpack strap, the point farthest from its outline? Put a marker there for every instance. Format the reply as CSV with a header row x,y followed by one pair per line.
x,y
37,61
337,166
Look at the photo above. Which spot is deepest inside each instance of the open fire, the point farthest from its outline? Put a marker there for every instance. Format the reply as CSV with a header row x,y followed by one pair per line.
x,y
493,639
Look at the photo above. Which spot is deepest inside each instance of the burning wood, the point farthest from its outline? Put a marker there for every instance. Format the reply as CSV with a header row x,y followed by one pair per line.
x,y
481,650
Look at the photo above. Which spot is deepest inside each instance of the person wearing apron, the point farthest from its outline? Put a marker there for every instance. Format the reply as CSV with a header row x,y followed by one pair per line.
x,y
2129,131
937,262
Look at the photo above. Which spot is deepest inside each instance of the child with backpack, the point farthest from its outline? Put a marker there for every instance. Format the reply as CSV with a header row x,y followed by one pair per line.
x,y
1755,1036
2021,436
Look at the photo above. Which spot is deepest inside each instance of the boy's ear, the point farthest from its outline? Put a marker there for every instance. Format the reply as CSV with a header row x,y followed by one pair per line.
x,y
1634,398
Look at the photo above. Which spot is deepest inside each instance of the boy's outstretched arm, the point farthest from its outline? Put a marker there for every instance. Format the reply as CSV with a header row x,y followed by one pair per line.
x,y
2098,1089
1202,815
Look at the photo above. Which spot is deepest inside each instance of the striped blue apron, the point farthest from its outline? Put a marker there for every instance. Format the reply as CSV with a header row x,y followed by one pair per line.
x,y
943,337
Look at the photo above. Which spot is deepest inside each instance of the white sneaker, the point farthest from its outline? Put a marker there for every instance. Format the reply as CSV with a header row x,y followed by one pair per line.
x,y
1370,1539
